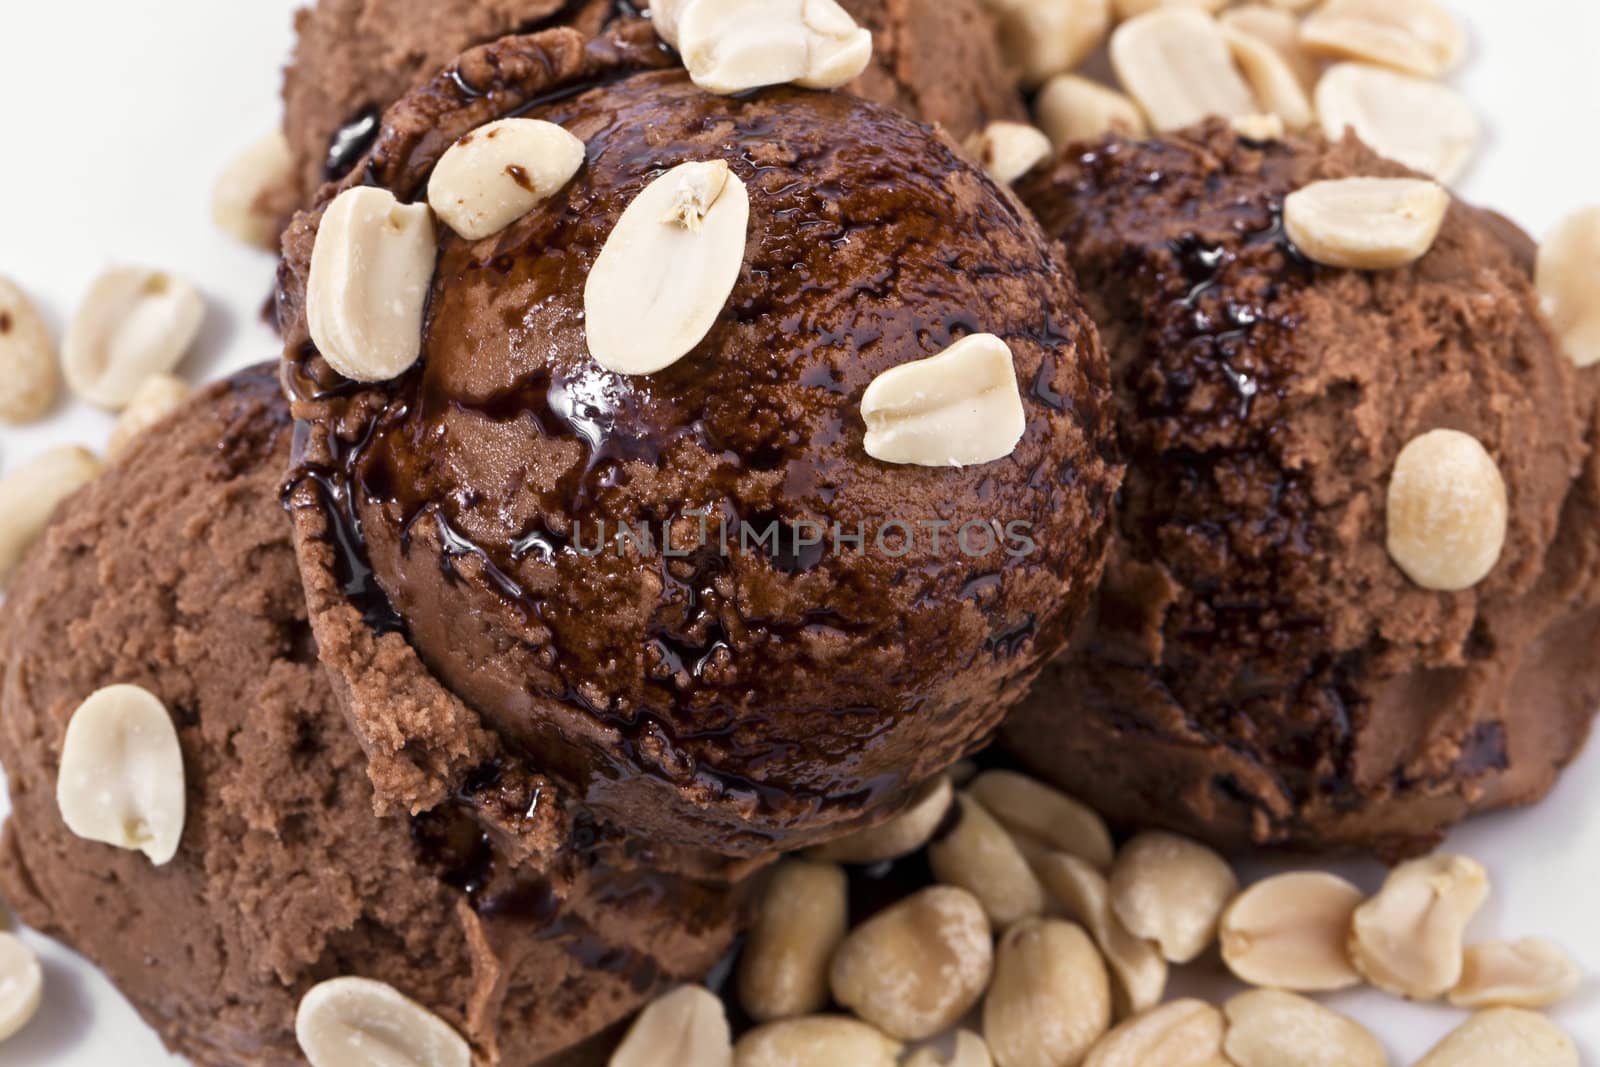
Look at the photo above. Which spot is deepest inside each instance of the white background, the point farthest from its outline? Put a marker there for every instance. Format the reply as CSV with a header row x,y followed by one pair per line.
x,y
115,115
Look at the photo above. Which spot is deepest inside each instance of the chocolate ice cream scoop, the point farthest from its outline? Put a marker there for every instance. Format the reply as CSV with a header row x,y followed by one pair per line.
x,y
937,60
1258,668
792,634
174,572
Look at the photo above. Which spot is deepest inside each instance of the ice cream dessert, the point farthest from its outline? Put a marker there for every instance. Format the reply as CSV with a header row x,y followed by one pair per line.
x,y
703,686
1258,669
935,59
174,572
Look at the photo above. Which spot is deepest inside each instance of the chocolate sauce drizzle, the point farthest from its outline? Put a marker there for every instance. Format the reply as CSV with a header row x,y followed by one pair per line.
x,y
350,143
331,496
1209,360
605,874
693,692
523,907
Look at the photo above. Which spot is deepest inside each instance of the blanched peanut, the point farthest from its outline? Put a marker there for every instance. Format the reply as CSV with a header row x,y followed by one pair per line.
x,y
1030,809
916,968
1050,1000
357,1022
21,985
1171,890
801,919
687,1025
955,409
980,857
816,1041
1139,969
1407,939
1447,514
1271,1028
681,244
1183,1033
1292,932
30,494
29,380
1531,973
900,836
1503,1037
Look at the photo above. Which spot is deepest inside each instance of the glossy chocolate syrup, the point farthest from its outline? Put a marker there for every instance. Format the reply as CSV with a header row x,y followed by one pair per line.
x,y
325,488
1201,389
485,471
349,143
597,874
355,138
573,8
618,422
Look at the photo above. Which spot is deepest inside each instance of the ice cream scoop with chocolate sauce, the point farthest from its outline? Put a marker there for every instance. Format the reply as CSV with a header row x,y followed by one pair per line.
x,y
936,60
510,913
739,699
1257,669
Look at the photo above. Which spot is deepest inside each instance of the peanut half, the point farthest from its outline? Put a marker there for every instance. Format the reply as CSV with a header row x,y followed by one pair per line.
x,y
1407,939
1030,809
121,779
1008,150
357,1022
954,409
30,494
1262,129
371,270
816,1041
158,397
132,324
1171,890
1277,87
916,968
980,857
21,984
1072,108
1140,970
498,173
1042,38
1447,511
731,46
667,269
1181,1033
1427,126
687,1025
902,835
802,917
1366,223
1416,36
1502,1037
1271,1028
239,200
1569,285
1279,29
1176,62
29,380
1291,932
1050,1000
1531,973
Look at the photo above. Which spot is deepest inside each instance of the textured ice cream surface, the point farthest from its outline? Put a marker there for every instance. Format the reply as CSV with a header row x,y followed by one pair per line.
x,y
937,60
1257,669
175,572
738,697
